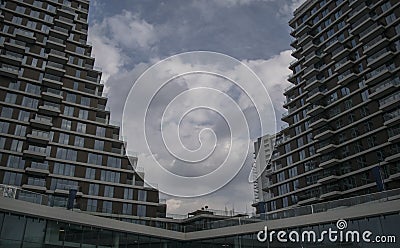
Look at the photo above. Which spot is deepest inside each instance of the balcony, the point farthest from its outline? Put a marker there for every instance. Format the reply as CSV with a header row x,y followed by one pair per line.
x,y
41,123
9,70
375,44
316,94
392,118
328,163
37,171
394,135
50,109
378,74
317,109
312,57
328,179
35,188
375,29
57,56
386,87
312,82
382,57
52,81
346,77
34,154
38,139
325,133
52,95
55,68
15,45
318,123
56,43
393,158
326,148
358,25
389,101
25,36
59,31
308,201
331,194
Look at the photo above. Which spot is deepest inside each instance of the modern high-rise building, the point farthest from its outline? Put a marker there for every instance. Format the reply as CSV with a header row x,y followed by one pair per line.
x,y
55,130
343,137
264,151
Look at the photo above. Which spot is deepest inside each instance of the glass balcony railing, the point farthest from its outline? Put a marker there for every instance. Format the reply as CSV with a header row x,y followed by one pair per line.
x,y
391,115
386,84
390,99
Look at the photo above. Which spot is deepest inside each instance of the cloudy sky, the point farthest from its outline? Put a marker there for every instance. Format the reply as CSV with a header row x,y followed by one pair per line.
x,y
129,36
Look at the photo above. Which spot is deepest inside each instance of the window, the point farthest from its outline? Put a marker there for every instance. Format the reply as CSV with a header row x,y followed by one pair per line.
x,y
107,207
20,130
6,112
93,189
142,195
390,18
91,205
285,202
110,176
364,95
108,191
63,139
66,124
287,148
81,127
79,141
280,176
99,145
4,127
289,160
20,9
10,98
83,114
302,154
85,101
2,143
69,111
300,142
95,158
101,131
24,115
70,97
15,162
67,154
141,210
16,145
11,178
128,194
292,172
64,169
32,88
283,189
90,173
29,102
114,162
127,208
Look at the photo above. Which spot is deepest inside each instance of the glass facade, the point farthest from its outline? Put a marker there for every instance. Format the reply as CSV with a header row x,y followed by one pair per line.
x,y
25,231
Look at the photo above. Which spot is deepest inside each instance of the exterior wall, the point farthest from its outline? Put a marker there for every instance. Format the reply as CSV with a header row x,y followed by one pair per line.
x,y
55,132
34,225
343,114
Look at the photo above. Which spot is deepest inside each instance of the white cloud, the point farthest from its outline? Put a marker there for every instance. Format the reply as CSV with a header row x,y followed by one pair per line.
x,y
113,35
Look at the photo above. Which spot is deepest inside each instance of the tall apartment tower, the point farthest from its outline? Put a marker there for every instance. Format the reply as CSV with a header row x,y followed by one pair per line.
x,y
343,137
55,132
264,151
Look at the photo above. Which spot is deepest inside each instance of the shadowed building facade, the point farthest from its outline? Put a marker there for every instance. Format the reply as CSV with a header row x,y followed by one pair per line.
x,y
55,129
343,137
